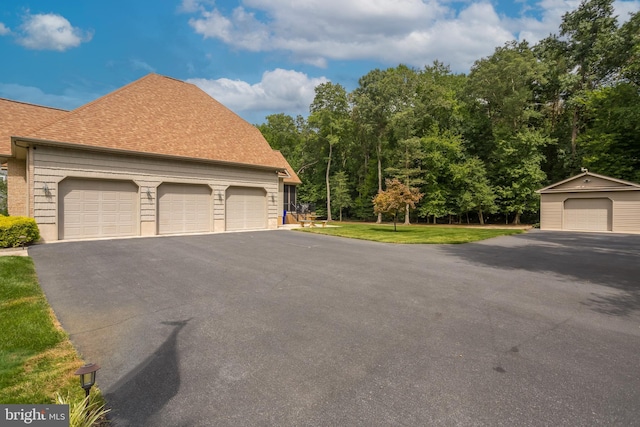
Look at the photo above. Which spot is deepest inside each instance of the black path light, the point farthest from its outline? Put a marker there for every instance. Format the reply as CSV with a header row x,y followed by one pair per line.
x,y
87,375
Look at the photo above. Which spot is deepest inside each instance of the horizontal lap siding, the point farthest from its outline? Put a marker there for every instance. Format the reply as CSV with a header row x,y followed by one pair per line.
x,y
54,164
625,209
626,212
550,213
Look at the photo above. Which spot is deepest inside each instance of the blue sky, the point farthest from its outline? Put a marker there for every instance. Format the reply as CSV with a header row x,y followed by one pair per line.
x,y
257,57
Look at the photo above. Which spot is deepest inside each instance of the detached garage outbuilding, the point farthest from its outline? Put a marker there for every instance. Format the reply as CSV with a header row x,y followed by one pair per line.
x,y
158,156
591,202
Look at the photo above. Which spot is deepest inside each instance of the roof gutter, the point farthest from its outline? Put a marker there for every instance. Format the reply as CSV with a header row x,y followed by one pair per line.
x,y
35,141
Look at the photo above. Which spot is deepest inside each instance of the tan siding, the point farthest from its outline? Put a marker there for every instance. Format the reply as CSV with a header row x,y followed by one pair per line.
x,y
625,209
550,212
626,212
54,164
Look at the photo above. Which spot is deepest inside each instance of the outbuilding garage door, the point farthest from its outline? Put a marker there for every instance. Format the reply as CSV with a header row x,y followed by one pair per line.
x,y
587,214
97,208
246,208
184,208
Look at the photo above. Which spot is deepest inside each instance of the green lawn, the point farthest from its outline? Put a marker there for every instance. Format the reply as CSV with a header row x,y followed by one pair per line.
x,y
37,359
420,234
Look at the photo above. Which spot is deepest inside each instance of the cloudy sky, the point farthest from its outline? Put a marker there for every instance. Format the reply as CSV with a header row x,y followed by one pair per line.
x,y
258,57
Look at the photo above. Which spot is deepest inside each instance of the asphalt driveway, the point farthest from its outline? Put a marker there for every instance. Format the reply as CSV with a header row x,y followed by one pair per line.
x,y
287,328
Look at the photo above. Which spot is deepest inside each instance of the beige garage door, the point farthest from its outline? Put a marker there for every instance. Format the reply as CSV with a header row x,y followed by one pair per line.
x,y
246,208
587,214
97,208
184,208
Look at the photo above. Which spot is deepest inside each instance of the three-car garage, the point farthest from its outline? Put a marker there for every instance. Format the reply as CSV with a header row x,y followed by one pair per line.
x,y
99,208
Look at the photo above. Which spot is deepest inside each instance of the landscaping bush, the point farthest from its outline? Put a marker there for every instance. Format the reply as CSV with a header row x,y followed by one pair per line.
x,y
17,230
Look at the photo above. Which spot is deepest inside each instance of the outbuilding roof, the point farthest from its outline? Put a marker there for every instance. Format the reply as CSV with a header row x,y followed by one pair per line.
x,y
163,116
588,182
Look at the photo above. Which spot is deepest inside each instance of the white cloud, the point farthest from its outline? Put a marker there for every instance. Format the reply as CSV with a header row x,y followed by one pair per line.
x,y
50,32
415,32
4,30
288,91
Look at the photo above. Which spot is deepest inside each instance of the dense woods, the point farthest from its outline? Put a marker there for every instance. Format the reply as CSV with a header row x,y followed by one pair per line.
x,y
477,146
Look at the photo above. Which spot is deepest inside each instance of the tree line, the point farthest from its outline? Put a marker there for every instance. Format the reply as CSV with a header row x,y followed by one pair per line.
x,y
476,145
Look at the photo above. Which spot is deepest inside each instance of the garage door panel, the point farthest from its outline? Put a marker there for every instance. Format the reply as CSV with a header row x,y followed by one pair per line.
x,y
587,214
97,208
246,208
184,208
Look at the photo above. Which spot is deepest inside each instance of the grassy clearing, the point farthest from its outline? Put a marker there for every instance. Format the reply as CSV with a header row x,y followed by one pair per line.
x,y
37,361
416,234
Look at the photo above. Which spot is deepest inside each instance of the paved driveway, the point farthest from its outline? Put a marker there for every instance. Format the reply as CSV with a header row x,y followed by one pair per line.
x,y
286,328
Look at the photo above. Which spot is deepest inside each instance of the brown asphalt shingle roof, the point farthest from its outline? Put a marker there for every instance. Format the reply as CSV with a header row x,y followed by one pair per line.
x,y
292,177
19,117
165,116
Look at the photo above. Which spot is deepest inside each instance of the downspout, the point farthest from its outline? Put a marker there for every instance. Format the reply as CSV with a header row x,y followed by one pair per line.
x,y
28,179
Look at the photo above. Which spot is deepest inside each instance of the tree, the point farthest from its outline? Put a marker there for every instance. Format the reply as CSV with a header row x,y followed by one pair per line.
x,y
611,143
329,116
341,197
518,167
395,198
474,192
589,31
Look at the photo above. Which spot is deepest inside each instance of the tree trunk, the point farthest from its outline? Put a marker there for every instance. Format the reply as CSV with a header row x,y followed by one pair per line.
x,y
574,133
434,219
340,214
516,220
481,216
379,149
327,182
467,218
395,217
407,221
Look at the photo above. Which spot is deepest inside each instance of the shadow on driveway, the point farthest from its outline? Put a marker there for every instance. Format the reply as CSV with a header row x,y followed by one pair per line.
x,y
157,379
609,260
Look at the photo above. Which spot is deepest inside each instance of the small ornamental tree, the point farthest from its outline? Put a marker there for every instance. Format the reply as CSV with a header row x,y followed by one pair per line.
x,y
395,199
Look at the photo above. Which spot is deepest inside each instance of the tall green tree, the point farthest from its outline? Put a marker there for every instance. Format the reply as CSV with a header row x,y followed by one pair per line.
x,y
610,144
589,31
341,197
474,190
330,117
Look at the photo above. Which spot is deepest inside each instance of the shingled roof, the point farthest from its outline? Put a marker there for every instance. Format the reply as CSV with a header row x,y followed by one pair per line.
x,y
19,117
290,176
165,116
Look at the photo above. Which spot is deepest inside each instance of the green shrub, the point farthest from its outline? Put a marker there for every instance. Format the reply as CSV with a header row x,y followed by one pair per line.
x,y
17,230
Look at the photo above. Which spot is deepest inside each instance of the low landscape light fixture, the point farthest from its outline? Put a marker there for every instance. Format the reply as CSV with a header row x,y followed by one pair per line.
x,y
87,375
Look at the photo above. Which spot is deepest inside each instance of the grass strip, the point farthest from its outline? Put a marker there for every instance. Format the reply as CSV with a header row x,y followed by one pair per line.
x,y
412,234
37,360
